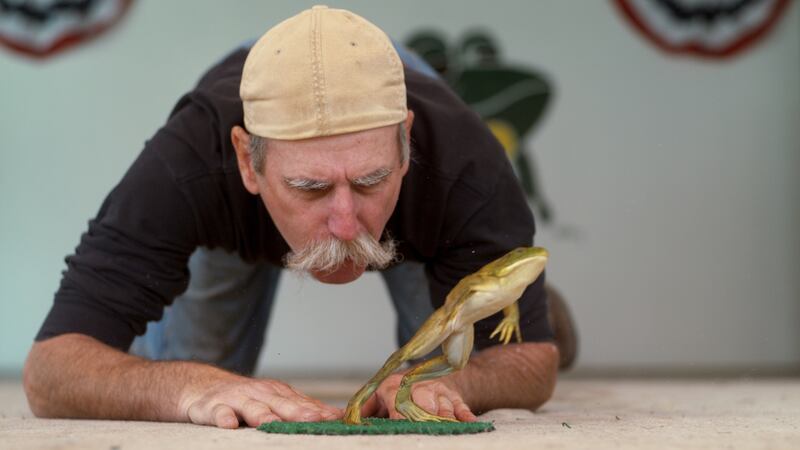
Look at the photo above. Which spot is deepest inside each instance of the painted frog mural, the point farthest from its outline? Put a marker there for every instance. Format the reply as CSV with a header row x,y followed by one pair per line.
x,y
511,99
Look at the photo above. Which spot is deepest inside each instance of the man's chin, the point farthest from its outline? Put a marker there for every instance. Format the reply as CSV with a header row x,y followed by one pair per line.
x,y
345,274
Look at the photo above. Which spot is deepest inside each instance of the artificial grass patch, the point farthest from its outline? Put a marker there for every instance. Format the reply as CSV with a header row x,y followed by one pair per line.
x,y
376,426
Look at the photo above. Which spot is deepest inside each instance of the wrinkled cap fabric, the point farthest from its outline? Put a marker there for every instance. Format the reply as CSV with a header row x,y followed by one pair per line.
x,y
320,73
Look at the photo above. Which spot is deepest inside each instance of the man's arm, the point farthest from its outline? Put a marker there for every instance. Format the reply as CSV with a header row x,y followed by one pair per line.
x,y
76,376
511,376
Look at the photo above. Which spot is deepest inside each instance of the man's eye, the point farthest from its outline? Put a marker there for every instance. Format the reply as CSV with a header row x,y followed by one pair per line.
x,y
310,193
315,192
367,187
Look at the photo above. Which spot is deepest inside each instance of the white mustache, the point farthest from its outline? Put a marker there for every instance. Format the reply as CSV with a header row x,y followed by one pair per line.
x,y
328,255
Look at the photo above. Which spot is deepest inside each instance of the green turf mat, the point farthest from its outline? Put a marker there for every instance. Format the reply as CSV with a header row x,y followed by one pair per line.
x,y
376,426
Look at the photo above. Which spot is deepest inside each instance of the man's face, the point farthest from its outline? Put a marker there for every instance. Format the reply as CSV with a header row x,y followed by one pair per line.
x,y
332,187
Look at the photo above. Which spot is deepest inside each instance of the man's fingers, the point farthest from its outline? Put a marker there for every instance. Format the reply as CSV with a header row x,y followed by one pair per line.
x,y
219,415
289,404
326,412
256,402
445,407
224,417
389,404
425,399
371,406
332,414
286,390
255,413
462,411
393,414
291,410
329,412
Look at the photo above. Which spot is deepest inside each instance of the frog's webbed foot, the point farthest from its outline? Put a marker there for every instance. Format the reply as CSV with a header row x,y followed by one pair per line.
x,y
414,413
508,327
352,415
427,370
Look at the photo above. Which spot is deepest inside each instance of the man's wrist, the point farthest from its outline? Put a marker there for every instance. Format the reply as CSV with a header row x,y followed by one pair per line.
x,y
462,381
507,376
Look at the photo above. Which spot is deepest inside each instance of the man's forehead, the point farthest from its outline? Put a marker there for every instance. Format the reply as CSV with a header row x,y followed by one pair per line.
x,y
330,169
357,154
380,134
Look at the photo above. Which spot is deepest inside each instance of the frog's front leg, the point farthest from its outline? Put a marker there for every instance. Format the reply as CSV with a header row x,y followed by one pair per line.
x,y
352,414
509,325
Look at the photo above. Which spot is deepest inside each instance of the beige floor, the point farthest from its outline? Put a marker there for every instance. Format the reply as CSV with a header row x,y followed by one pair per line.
x,y
584,413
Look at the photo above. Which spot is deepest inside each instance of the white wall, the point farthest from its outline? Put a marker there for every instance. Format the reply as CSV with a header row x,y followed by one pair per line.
x,y
677,178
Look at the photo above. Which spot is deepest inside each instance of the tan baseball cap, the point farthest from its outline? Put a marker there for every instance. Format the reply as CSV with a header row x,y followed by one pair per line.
x,y
320,73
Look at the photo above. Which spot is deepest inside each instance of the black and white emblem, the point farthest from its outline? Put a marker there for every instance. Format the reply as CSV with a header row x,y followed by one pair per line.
x,y
710,28
40,28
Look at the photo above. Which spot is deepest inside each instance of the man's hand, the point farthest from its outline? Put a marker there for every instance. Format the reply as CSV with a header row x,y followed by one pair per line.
x,y
436,396
503,376
76,376
253,402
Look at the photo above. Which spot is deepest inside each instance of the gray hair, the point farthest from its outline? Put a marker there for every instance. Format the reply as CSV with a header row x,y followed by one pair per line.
x,y
258,148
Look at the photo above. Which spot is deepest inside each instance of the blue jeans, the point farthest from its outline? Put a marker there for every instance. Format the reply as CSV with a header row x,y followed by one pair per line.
x,y
222,317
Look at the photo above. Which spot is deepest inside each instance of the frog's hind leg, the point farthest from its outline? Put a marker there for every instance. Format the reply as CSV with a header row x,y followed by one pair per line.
x,y
457,349
430,335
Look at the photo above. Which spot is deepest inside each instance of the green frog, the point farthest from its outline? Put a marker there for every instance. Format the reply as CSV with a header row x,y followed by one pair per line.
x,y
494,287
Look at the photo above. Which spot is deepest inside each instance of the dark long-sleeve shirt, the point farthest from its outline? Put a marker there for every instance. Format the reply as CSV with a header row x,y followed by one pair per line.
x,y
460,206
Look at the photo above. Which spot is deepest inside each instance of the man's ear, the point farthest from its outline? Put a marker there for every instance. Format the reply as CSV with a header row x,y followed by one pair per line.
x,y
241,143
408,124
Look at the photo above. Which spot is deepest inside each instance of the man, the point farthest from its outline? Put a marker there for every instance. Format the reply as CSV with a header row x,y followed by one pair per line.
x,y
296,156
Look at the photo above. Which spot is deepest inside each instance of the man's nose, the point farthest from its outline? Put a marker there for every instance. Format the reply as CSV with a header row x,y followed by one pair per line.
x,y
343,221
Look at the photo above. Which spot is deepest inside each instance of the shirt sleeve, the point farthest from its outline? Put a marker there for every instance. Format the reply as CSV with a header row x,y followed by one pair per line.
x,y
132,260
502,223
